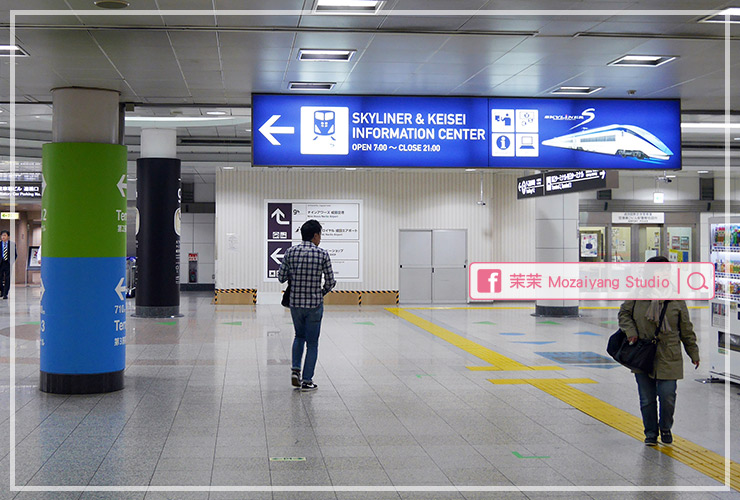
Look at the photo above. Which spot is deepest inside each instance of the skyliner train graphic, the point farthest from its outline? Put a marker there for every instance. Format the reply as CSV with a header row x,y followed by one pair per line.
x,y
622,140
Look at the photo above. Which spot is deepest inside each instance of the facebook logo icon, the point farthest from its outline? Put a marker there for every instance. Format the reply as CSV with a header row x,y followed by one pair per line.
x,y
489,281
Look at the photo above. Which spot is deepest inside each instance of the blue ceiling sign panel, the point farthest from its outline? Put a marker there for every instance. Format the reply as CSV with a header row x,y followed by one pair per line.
x,y
390,131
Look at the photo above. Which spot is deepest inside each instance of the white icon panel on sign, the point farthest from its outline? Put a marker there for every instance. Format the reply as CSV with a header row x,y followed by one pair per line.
x,y
324,130
502,120
502,145
526,120
527,145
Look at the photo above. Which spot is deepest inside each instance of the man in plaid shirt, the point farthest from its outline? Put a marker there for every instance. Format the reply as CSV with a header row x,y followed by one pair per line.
x,y
303,266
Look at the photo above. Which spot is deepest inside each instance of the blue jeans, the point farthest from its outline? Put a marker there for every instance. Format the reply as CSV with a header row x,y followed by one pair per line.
x,y
307,324
650,389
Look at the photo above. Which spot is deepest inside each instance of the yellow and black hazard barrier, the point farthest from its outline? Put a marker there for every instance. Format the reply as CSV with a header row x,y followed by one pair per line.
x,y
361,297
378,297
236,296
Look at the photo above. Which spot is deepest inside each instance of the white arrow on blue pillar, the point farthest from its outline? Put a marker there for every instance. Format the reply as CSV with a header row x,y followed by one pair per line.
x,y
42,290
278,214
267,130
122,185
276,255
121,289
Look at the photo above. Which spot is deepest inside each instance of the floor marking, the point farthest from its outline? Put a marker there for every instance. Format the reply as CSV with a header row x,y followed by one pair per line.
x,y
587,333
517,455
548,323
484,323
697,457
499,361
287,459
368,323
233,323
534,342
169,323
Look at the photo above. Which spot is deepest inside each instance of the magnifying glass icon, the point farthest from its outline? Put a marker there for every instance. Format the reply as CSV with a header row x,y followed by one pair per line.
x,y
703,281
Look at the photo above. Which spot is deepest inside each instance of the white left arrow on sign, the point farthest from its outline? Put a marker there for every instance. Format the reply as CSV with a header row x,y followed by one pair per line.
x,y
121,289
277,256
122,185
267,130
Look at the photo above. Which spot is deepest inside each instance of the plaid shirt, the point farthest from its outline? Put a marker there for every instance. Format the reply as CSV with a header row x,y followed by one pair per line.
x,y
303,266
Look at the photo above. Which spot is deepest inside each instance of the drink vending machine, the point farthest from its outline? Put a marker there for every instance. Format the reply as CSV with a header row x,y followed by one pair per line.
x,y
724,254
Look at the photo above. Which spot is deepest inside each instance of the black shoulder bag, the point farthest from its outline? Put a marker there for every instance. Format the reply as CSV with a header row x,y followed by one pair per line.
x,y
641,354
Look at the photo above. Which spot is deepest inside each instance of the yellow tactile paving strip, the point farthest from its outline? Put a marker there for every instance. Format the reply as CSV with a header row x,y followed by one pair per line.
x,y
705,461
498,361
698,458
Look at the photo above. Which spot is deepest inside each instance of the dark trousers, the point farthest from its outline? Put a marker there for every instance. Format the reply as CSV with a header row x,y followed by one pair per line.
x,y
5,277
651,390
307,324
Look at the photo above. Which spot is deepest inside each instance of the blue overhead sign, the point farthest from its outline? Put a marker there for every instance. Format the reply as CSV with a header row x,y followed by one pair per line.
x,y
385,131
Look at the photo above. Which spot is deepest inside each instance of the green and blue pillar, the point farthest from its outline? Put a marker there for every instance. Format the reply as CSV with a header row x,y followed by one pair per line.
x,y
83,290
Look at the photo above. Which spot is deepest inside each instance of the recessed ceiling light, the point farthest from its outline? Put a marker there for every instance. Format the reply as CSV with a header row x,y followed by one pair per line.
x,y
710,125
642,60
327,55
347,7
670,176
12,50
350,168
228,168
216,113
470,170
111,4
311,85
702,172
576,90
3,123
721,16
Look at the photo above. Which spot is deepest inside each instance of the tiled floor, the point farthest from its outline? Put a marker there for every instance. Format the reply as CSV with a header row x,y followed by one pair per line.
x,y
208,401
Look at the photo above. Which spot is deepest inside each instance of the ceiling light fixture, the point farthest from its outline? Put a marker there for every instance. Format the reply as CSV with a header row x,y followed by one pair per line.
x,y
576,90
350,168
710,125
644,61
722,16
228,168
702,172
216,113
470,170
325,55
111,4
12,50
347,7
311,85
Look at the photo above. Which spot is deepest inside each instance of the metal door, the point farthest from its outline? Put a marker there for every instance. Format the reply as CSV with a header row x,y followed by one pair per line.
x,y
450,266
415,266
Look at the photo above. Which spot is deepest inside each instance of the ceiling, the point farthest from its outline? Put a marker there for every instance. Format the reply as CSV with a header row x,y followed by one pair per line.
x,y
181,63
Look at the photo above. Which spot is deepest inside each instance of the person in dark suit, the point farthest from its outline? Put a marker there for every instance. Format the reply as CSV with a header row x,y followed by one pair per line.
x,y
8,254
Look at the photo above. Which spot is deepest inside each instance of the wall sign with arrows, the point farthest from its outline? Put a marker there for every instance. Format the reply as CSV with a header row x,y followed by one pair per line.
x,y
342,229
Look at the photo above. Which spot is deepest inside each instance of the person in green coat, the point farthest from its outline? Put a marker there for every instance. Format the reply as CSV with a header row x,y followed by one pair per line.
x,y
639,318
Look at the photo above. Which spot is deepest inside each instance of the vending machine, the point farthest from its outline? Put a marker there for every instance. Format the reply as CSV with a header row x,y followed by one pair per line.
x,y
724,253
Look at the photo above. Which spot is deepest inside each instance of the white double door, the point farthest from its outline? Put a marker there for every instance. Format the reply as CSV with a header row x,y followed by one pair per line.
x,y
433,266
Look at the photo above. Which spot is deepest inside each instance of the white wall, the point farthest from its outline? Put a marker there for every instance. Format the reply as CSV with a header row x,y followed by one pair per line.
x,y
198,236
503,230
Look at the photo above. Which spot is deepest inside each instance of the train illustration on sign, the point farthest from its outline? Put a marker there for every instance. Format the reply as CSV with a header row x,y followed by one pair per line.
x,y
622,140
323,123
